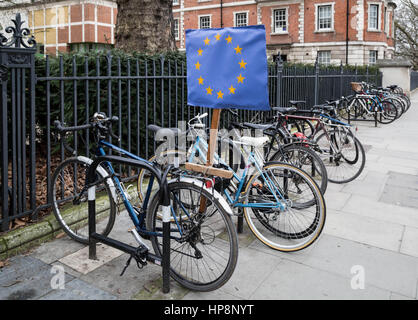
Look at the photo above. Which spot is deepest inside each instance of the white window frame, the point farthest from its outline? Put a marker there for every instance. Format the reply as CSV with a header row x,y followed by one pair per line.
x,y
176,2
241,12
375,58
379,16
317,5
393,23
273,21
386,17
203,16
322,63
177,34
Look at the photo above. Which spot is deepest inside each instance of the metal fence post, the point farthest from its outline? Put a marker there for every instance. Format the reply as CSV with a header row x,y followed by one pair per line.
x,y
279,75
341,79
316,81
17,59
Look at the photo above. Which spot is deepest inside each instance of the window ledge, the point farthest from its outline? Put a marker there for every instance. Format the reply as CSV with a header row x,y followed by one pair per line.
x,y
325,31
374,30
279,33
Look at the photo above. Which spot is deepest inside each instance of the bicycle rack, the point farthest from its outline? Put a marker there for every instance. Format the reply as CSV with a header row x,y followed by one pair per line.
x,y
366,120
94,237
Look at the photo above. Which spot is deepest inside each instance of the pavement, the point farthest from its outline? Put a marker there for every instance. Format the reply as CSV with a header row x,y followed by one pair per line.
x,y
368,249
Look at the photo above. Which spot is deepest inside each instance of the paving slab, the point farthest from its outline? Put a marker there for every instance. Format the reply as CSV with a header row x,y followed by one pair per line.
x,y
295,281
395,296
80,261
366,207
107,277
371,186
78,290
26,278
252,268
365,230
54,250
338,256
410,241
336,199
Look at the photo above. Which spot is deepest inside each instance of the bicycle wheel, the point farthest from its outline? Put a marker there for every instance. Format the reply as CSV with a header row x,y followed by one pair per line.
x,y
387,113
70,203
204,256
306,159
342,154
306,127
300,219
399,105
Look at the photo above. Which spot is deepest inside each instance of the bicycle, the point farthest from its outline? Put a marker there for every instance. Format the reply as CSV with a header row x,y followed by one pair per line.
x,y
341,152
367,105
283,206
202,239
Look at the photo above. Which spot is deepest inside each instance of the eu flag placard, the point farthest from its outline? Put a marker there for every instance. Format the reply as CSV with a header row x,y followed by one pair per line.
x,y
227,68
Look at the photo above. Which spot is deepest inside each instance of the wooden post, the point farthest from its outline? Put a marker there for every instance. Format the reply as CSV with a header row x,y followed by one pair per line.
x,y
213,135
216,115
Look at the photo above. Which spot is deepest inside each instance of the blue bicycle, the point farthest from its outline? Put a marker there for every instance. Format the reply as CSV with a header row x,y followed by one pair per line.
x,y
204,245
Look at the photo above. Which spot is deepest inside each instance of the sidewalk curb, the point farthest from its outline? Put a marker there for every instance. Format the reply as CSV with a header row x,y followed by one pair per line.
x,y
22,239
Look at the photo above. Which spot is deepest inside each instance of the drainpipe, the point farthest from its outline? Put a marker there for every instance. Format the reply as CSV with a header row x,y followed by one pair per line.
x,y
346,32
222,24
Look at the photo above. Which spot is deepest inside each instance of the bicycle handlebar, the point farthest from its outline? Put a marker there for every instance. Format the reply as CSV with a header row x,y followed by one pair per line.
x,y
99,121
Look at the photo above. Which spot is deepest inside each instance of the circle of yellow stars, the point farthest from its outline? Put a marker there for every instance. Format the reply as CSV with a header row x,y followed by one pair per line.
x,y
242,64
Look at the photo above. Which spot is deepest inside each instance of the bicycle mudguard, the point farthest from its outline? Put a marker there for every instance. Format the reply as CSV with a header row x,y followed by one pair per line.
x,y
201,184
104,173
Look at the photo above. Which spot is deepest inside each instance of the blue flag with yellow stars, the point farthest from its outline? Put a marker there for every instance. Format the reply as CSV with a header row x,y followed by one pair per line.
x,y
227,68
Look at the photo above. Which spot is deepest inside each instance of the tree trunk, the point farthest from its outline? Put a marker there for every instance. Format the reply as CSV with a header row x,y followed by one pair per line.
x,y
145,26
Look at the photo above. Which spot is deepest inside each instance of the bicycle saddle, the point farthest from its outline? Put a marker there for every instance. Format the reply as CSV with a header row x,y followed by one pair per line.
x,y
154,128
258,126
296,102
322,107
255,142
284,110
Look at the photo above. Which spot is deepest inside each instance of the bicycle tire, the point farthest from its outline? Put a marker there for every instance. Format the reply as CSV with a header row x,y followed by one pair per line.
x,y
217,235
388,114
266,225
332,162
73,217
309,160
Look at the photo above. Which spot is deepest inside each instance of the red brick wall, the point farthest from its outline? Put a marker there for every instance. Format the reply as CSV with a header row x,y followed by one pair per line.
x,y
76,13
293,24
340,18
337,35
370,35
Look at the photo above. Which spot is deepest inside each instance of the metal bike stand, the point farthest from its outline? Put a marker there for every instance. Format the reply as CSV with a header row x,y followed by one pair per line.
x,y
94,237
366,120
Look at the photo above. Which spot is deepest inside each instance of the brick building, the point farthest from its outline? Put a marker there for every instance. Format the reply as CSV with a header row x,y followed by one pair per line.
x,y
301,30
65,25
357,31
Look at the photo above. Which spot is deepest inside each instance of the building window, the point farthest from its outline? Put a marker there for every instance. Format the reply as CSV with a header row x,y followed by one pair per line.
x,y
374,17
372,56
175,2
324,57
324,17
89,46
241,19
204,22
176,29
280,21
